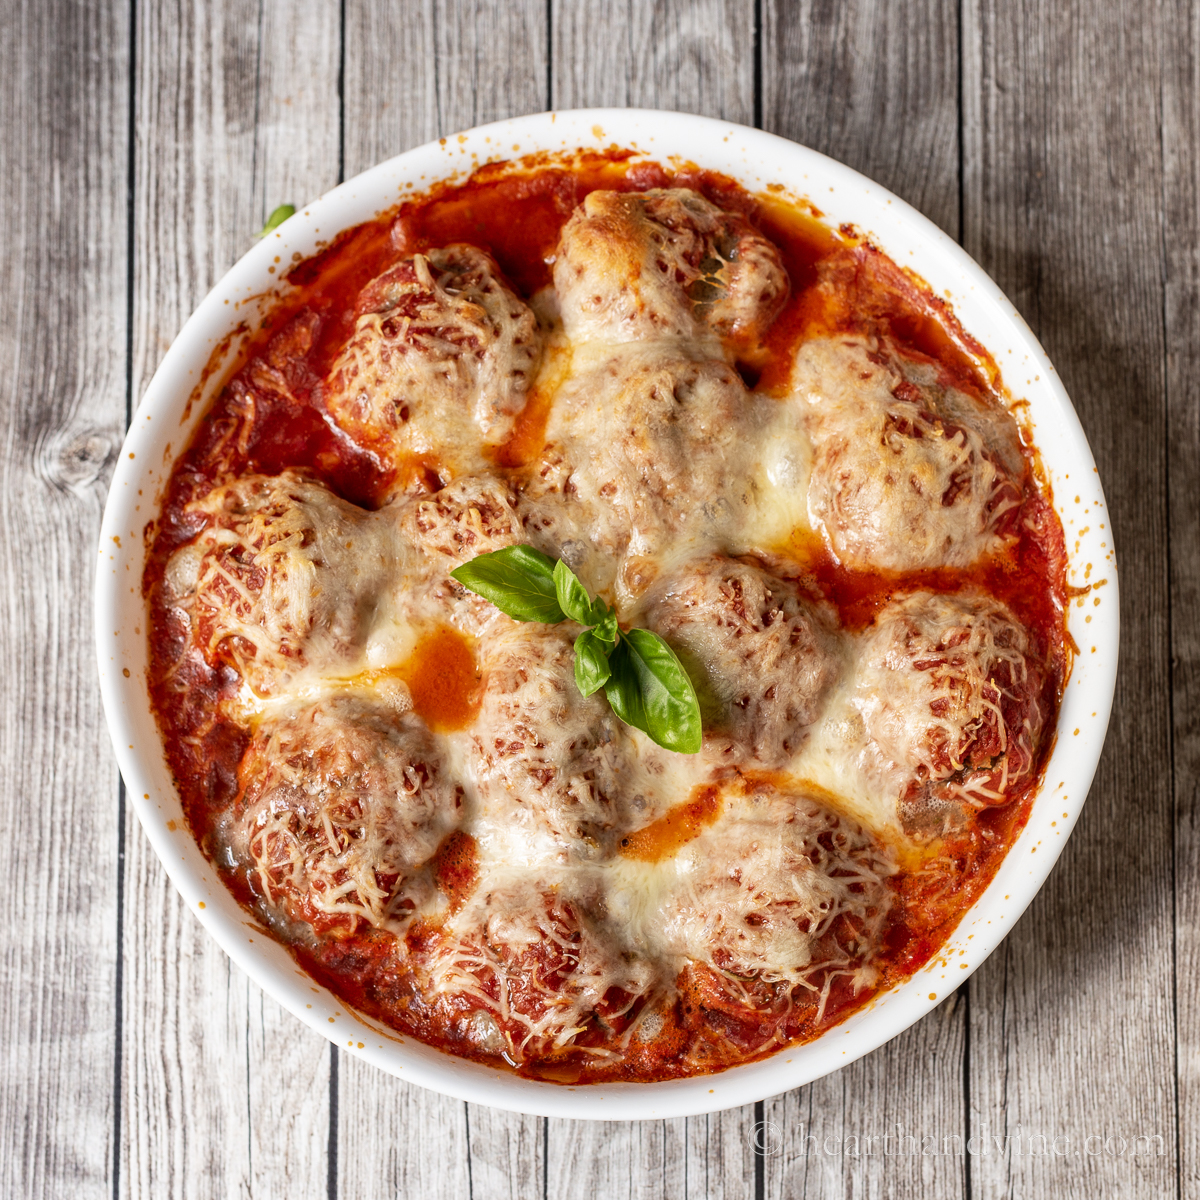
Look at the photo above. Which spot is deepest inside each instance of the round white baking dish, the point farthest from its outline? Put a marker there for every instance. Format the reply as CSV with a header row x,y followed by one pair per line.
x,y
164,422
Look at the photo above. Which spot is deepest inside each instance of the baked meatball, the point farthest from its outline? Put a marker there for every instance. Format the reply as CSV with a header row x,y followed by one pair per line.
x,y
340,805
783,891
544,756
949,689
665,263
906,475
283,574
649,448
759,654
473,515
531,962
439,365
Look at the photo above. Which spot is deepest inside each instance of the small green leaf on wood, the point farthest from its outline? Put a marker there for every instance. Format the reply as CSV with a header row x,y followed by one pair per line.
x,y
277,218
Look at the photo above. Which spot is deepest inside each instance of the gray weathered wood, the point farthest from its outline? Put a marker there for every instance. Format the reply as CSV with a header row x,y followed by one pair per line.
x,y
877,88
720,1161
828,1138
872,85
507,1151
399,1140
64,93
691,57
388,110
430,68
1072,1023
711,1157
645,1160
1080,192
1181,236
491,61
236,112
413,73
223,1092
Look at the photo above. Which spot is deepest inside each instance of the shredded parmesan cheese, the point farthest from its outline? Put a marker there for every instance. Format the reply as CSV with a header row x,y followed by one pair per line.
x,y
788,892
757,651
535,914
339,805
665,263
944,688
283,574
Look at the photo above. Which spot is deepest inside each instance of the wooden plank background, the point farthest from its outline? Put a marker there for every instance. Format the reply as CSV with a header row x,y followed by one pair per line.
x,y
142,143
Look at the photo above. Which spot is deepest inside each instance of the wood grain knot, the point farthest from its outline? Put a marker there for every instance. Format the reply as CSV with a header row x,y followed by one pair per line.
x,y
74,461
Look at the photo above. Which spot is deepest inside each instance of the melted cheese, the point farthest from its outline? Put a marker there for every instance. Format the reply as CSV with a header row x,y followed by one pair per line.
x,y
284,575
644,440
897,482
935,708
532,950
762,895
758,654
930,685
665,263
340,803
545,755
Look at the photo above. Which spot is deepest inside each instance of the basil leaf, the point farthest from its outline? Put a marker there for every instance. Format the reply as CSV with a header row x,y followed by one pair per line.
x,y
591,663
518,580
572,595
606,627
277,218
650,690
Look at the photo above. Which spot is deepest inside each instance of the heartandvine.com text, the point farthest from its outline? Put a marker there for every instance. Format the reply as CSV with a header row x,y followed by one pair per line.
x,y
768,1138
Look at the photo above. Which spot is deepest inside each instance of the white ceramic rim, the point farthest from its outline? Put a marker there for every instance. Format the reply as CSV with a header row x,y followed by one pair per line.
x,y
755,159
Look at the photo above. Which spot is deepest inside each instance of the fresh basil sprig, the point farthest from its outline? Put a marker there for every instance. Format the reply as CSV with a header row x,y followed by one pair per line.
x,y
646,684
